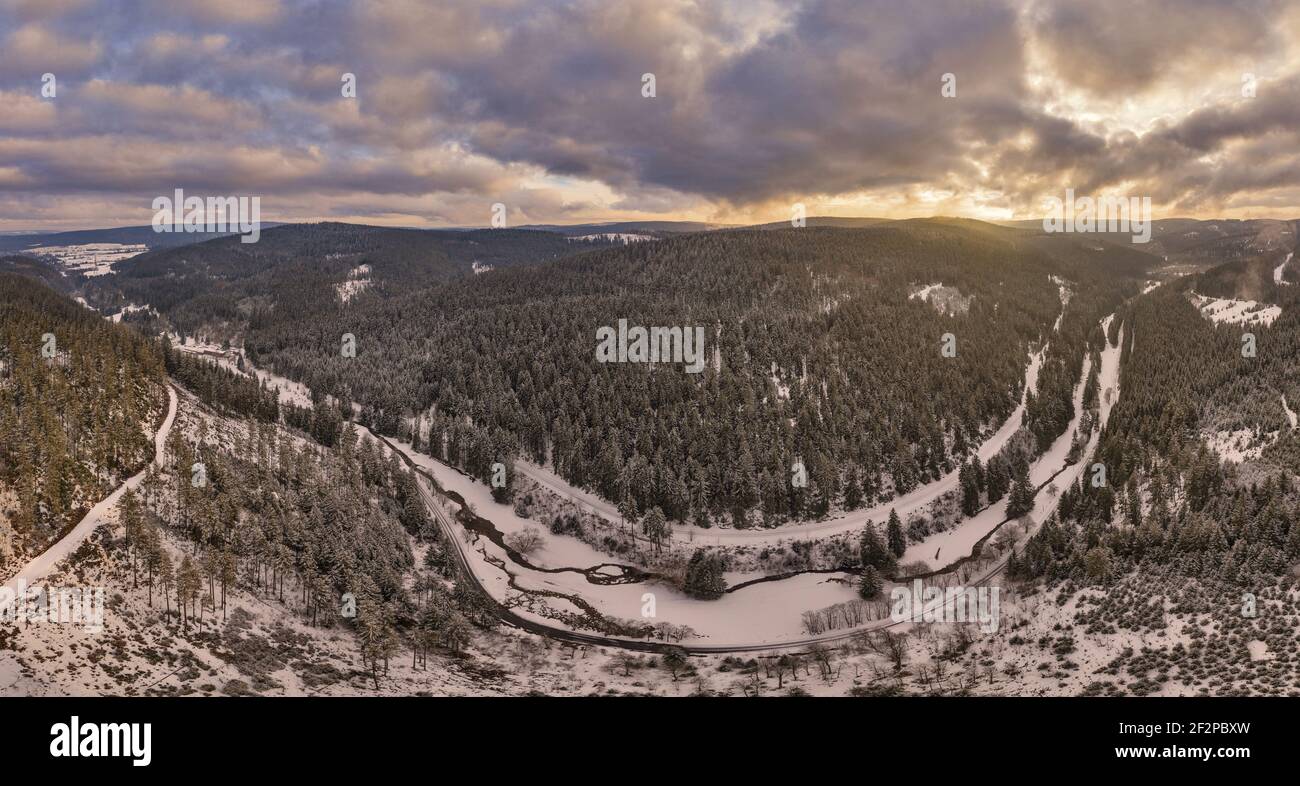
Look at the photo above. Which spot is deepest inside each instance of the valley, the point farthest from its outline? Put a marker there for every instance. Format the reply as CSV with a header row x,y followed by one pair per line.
x,y
552,560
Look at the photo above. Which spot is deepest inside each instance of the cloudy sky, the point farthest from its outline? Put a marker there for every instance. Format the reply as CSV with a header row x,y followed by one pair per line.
x,y
460,104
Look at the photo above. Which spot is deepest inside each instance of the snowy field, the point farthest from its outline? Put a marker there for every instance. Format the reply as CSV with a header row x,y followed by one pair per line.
x,y
615,237
90,259
1277,271
1236,312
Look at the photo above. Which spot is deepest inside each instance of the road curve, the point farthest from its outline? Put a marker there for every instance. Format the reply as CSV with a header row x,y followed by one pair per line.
x,y
40,565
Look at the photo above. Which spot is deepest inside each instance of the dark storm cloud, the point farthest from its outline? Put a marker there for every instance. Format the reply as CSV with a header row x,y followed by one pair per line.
x,y
759,104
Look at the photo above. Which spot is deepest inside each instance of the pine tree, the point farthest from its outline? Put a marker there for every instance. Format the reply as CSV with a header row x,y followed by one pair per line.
x,y
970,491
628,510
894,535
131,517
1014,568
997,479
869,583
1293,540
873,552
1021,500
655,527
853,490
704,576
188,586
166,576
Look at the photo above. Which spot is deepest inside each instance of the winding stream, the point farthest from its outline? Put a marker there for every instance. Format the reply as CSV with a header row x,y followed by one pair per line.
x,y
714,620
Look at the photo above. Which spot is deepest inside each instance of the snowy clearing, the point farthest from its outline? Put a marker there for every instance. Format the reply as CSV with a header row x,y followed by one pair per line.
x,y
946,300
614,237
1236,312
1277,271
358,281
1240,445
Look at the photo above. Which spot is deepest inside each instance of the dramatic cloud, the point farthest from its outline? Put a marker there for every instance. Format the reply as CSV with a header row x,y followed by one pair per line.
x,y
835,104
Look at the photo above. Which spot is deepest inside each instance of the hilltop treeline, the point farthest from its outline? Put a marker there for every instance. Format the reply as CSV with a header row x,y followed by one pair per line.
x,y
820,356
222,286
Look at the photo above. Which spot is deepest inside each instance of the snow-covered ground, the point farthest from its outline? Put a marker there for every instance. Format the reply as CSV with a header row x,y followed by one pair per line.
x,y
358,281
924,292
90,259
764,613
1240,445
615,237
291,392
1236,312
1277,271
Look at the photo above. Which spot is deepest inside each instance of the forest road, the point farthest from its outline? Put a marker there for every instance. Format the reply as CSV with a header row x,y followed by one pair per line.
x,y
40,565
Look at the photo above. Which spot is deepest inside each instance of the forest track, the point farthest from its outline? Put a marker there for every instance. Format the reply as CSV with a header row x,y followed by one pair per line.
x,y
40,565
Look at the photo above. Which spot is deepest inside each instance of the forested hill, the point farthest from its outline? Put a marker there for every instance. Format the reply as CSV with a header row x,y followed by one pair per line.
x,y
1180,500
35,268
823,356
221,285
79,399
1186,377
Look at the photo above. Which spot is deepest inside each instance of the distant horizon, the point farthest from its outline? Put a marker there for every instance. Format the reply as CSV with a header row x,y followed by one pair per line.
x,y
608,222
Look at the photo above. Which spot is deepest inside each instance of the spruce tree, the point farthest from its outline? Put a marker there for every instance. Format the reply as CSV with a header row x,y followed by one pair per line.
x,y
704,576
869,583
853,491
970,491
894,534
655,526
997,479
1021,500
873,552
